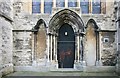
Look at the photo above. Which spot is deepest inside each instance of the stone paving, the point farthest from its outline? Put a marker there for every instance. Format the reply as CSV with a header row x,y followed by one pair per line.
x,y
60,73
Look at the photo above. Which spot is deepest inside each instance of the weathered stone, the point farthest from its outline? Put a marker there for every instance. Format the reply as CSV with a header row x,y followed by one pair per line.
x,y
22,53
6,16
117,17
108,51
6,9
24,50
41,43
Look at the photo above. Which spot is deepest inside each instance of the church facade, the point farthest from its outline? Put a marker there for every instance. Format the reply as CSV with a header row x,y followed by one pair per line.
x,y
59,35
64,34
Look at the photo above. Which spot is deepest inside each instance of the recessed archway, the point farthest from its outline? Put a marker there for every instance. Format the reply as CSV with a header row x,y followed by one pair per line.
x,y
39,41
92,43
62,19
71,20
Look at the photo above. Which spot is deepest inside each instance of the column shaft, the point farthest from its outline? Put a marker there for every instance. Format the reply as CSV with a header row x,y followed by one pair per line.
x,y
51,50
48,46
54,47
78,48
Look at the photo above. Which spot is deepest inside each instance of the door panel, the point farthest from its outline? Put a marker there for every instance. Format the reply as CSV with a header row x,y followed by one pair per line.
x,y
66,47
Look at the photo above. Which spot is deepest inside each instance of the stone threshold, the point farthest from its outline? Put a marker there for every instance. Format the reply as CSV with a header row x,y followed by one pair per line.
x,y
108,69
65,70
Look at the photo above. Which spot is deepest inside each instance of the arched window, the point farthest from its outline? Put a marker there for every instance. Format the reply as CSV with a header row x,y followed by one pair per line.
x,y
72,3
84,4
48,6
96,7
36,6
60,3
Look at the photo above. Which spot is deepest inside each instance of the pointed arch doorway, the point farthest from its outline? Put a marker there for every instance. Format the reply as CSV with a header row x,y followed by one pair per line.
x,y
64,38
66,46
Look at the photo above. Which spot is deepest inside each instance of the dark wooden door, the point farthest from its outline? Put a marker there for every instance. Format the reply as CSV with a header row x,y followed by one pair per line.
x,y
66,47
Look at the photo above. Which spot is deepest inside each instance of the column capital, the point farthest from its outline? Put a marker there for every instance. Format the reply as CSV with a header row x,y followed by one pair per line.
x,y
82,33
77,33
50,33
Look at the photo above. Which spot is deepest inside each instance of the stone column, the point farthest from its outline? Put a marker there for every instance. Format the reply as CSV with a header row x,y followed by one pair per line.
x,y
51,49
83,62
98,58
76,42
99,40
34,50
97,54
54,47
56,50
81,51
78,47
48,46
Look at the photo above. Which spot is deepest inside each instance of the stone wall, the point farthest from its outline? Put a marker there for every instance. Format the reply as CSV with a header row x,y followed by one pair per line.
x,y
6,16
117,15
22,53
25,21
6,46
108,49
22,44
23,48
0,50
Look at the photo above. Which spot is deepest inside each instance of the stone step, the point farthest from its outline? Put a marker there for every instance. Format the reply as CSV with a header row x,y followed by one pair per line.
x,y
65,70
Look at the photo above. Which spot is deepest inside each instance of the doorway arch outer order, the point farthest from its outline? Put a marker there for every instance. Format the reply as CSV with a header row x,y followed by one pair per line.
x,y
74,20
66,16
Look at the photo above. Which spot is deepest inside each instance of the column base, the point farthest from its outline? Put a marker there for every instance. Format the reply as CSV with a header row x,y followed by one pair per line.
x,y
34,63
98,63
83,63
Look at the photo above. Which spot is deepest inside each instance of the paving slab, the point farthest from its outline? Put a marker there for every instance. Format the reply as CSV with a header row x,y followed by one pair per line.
x,y
61,74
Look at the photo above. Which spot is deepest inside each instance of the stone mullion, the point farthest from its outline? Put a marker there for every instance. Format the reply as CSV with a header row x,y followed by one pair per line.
x,y
66,3
42,6
78,3
30,6
54,3
103,6
90,6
